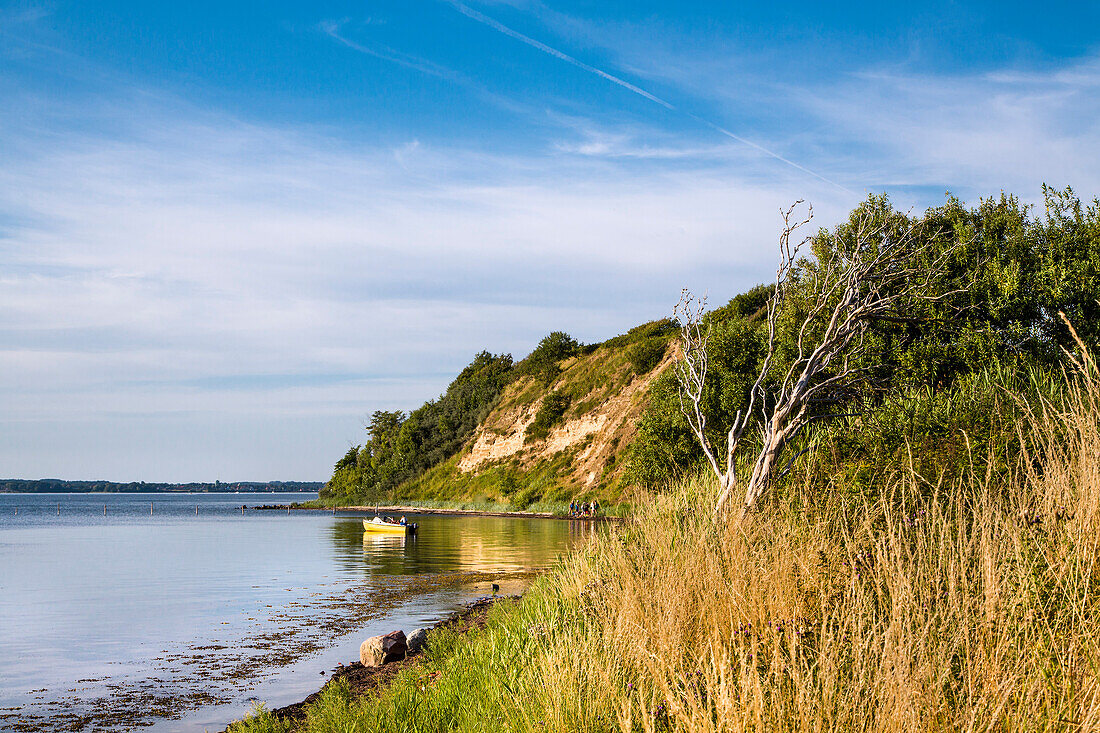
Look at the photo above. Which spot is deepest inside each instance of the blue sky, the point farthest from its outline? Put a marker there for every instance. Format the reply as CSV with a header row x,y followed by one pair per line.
x,y
228,232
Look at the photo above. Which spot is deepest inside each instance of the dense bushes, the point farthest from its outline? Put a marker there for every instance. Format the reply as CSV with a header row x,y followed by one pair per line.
x,y
995,317
645,355
403,446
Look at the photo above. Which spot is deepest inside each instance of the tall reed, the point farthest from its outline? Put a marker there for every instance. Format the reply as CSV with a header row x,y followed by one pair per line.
x,y
963,607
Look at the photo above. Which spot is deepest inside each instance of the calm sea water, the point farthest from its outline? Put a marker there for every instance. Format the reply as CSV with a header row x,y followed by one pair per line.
x,y
185,607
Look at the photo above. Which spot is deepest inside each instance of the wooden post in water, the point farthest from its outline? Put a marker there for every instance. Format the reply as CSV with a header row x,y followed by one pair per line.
x,y
59,509
196,510
104,510
288,510
150,509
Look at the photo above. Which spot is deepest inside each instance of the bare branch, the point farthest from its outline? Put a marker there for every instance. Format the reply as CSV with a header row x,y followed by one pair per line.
x,y
875,274
691,370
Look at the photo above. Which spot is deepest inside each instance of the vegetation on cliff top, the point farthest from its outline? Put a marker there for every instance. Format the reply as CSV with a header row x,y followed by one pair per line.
x,y
931,379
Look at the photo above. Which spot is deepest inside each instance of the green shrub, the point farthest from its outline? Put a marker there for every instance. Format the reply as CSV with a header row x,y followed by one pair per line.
x,y
525,498
664,327
542,363
647,354
550,412
509,484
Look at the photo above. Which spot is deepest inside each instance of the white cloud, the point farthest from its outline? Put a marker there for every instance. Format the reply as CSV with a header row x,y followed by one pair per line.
x,y
975,134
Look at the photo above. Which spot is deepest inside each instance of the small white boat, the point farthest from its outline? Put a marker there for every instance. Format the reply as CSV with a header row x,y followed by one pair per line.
x,y
381,525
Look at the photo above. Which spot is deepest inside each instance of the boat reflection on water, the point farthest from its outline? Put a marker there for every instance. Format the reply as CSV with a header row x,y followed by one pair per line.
x,y
382,540
447,544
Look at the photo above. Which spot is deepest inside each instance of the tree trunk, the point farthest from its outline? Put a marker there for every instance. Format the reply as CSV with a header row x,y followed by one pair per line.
x,y
765,463
727,483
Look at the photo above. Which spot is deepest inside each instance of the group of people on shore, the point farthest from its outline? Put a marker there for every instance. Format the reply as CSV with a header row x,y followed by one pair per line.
x,y
584,509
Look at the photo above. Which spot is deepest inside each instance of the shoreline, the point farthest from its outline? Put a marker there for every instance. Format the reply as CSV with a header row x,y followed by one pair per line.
x,y
398,509
365,679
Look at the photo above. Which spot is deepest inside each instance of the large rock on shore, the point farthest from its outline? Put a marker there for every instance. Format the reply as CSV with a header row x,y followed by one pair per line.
x,y
377,650
416,640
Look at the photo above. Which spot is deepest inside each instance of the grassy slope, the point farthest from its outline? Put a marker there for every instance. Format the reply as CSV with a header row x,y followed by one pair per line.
x,y
543,476
964,607
539,478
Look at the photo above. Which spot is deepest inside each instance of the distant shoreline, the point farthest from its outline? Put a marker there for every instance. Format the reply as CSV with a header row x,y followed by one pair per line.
x,y
6,492
63,486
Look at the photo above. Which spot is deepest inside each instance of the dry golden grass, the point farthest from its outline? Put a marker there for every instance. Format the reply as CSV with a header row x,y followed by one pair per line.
x,y
968,607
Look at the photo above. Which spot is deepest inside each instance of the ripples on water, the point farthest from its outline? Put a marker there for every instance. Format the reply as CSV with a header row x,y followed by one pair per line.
x,y
183,605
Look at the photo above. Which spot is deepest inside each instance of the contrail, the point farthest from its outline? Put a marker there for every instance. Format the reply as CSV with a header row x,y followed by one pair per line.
x,y
764,150
486,20
500,27
424,66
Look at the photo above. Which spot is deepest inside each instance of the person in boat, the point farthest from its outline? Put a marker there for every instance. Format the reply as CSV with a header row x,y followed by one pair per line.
x,y
403,522
595,506
573,508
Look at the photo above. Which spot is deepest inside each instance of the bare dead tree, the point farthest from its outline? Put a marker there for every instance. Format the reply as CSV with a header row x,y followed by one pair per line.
x,y
877,278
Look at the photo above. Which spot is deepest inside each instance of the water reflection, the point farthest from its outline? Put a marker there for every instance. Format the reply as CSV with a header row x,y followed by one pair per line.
x,y
462,544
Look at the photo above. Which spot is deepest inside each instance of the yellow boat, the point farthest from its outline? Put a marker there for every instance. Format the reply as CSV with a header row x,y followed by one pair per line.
x,y
380,525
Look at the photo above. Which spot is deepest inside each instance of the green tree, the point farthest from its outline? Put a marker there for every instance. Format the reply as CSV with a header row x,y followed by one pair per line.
x,y
542,363
401,446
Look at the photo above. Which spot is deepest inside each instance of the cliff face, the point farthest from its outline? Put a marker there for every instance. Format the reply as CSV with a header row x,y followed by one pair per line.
x,y
524,452
597,432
